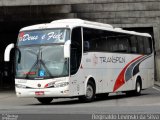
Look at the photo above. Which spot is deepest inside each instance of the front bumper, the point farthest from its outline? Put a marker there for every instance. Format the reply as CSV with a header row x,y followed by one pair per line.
x,y
46,92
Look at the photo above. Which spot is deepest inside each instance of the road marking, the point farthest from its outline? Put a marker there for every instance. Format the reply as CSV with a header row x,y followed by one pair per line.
x,y
156,89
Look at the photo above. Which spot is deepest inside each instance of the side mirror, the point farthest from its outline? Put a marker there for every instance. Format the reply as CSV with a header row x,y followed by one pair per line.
x,y
7,52
67,49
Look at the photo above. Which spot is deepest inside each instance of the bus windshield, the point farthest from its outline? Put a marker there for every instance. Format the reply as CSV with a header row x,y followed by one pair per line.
x,y
40,54
41,62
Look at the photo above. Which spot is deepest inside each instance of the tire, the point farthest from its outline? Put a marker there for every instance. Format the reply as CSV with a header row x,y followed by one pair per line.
x,y
138,88
102,95
44,100
90,93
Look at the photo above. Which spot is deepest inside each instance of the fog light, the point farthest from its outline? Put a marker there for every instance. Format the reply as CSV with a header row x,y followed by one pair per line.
x,y
66,91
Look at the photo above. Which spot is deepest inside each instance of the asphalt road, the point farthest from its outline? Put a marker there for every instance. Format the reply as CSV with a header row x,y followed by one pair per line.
x,y
30,108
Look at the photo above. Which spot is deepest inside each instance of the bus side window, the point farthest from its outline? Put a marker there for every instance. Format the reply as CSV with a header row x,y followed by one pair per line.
x,y
115,45
140,44
111,44
147,46
90,39
76,50
86,45
123,44
133,42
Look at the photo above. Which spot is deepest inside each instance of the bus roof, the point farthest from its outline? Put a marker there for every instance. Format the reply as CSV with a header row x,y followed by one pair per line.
x,y
71,23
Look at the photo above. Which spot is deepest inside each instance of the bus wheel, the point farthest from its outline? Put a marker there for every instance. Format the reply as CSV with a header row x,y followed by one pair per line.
x,y
138,88
45,100
90,93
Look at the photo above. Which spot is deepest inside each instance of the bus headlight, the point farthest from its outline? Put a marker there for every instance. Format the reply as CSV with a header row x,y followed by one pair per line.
x,y
61,84
20,86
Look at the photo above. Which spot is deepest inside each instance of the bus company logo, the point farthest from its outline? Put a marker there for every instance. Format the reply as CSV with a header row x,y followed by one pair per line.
x,y
95,60
39,85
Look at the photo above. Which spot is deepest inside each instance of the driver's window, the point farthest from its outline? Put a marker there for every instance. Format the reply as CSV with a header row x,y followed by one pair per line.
x,y
76,49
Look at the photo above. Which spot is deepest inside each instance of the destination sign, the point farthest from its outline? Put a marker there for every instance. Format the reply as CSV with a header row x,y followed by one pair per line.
x,y
43,36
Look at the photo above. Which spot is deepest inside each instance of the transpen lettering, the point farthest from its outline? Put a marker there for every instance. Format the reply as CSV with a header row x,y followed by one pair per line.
x,y
112,59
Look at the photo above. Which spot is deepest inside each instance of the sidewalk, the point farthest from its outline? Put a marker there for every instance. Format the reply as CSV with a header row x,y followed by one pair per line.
x,y
157,83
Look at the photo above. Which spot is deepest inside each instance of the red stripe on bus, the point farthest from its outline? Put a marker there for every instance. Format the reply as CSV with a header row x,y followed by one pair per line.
x,y
120,79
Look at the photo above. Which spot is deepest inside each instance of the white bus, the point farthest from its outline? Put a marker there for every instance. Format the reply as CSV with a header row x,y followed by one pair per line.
x,y
77,58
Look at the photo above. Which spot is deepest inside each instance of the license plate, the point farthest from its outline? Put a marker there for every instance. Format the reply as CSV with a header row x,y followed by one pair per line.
x,y
39,93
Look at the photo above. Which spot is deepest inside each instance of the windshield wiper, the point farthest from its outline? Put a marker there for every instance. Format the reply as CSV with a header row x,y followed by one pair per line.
x,y
41,61
35,63
50,75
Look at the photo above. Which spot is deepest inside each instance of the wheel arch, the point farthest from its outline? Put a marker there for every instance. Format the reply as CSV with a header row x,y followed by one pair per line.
x,y
90,79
